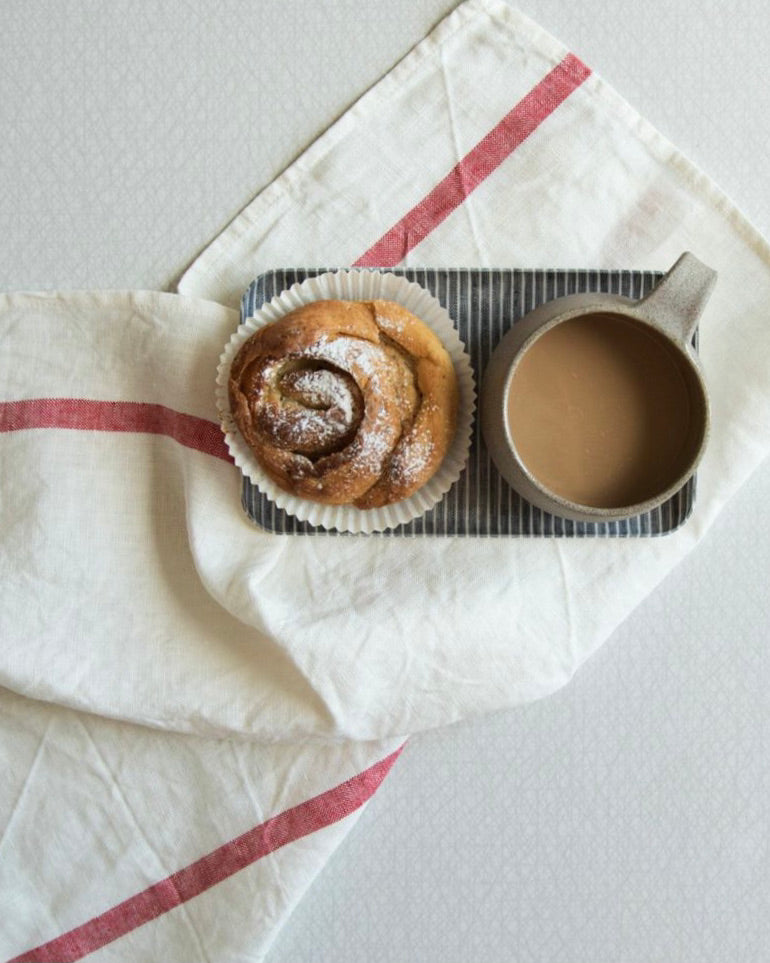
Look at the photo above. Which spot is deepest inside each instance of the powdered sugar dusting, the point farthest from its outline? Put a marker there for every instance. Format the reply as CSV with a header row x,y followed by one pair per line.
x,y
306,430
323,389
389,324
348,353
367,362
411,459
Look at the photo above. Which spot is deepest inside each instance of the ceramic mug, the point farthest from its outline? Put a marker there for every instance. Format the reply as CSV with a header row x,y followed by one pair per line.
x,y
594,407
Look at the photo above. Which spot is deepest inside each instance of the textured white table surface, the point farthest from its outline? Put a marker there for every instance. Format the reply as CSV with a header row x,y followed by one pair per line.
x,y
624,819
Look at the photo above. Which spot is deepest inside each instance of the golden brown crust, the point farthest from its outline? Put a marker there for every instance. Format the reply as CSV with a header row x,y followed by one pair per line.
x,y
346,402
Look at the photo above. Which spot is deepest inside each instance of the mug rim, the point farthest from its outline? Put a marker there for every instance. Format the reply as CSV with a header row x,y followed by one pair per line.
x,y
609,304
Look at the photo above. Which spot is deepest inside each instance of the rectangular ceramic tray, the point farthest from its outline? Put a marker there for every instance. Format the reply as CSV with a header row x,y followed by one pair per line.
x,y
483,303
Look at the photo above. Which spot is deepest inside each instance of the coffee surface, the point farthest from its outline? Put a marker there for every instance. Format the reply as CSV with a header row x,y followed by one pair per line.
x,y
600,413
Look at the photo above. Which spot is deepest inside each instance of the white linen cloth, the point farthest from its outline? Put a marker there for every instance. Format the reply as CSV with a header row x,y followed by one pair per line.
x,y
134,590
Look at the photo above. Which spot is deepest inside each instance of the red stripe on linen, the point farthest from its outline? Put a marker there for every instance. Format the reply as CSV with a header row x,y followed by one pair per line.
x,y
308,817
86,415
477,164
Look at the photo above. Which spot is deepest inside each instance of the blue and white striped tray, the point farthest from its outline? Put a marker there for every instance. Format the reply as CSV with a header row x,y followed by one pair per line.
x,y
483,303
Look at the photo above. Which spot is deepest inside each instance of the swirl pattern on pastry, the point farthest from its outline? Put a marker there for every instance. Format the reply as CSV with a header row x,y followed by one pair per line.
x,y
346,402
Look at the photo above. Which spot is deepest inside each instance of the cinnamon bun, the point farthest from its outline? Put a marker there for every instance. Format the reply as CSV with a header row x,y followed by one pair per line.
x,y
346,402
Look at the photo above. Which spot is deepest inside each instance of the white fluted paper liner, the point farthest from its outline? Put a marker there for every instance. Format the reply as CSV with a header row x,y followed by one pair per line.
x,y
355,285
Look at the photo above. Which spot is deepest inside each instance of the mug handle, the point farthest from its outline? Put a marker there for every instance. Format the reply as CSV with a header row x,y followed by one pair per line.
x,y
677,301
